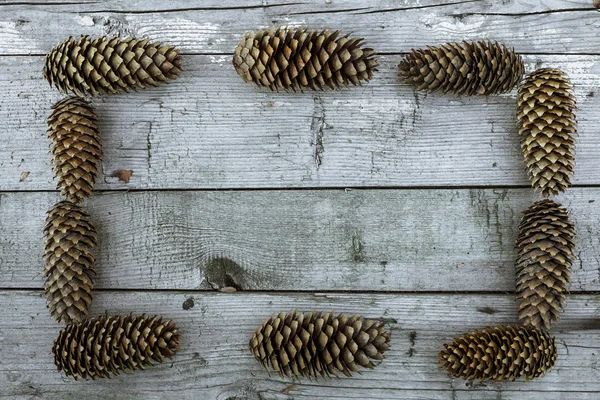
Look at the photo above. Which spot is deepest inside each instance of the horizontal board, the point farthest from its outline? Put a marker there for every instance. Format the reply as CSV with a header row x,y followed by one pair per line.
x,y
211,130
181,6
390,240
551,26
214,361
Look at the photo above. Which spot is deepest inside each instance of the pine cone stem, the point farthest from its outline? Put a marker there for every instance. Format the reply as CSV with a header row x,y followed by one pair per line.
x,y
281,58
547,127
545,248
316,344
76,149
110,65
104,346
69,261
499,353
469,68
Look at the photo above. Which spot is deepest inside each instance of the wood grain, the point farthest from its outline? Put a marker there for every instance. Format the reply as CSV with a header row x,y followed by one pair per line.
x,y
215,27
426,243
211,130
214,362
390,240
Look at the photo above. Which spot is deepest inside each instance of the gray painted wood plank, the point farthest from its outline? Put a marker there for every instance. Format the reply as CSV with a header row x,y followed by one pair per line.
x,y
211,130
390,240
550,26
214,362
183,6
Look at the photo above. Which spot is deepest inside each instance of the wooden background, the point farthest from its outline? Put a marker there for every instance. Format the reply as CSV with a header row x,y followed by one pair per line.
x,y
376,200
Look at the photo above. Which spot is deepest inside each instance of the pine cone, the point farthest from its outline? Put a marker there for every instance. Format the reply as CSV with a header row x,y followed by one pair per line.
x,y
482,67
279,58
499,353
76,147
69,262
110,65
545,254
547,126
99,347
313,344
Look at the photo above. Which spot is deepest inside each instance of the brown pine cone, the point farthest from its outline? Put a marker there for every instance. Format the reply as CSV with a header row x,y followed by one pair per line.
x,y
499,353
76,147
295,59
69,261
469,68
547,126
110,65
545,255
99,347
316,344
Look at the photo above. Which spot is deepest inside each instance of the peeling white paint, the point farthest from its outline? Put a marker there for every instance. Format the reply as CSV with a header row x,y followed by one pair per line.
x,y
453,25
84,20
220,59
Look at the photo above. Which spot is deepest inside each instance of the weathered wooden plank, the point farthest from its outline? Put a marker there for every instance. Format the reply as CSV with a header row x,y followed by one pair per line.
x,y
211,130
392,240
182,6
215,27
214,362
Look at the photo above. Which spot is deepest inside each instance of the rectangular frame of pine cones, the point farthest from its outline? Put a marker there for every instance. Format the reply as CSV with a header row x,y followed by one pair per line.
x,y
313,344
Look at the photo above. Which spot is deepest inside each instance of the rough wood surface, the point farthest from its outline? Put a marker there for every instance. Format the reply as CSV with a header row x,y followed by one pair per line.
x,y
391,240
209,129
214,362
549,26
447,188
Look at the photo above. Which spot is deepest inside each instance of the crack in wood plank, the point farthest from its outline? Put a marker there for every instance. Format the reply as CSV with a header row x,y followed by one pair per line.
x,y
545,12
177,10
317,126
418,7
48,4
333,11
